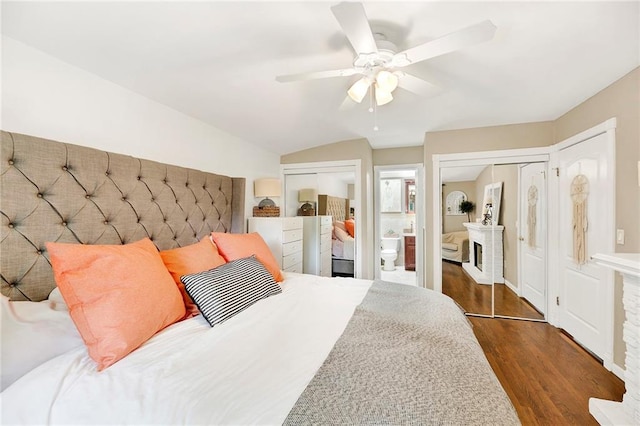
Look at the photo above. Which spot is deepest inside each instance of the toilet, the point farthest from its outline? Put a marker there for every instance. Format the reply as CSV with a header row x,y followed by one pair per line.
x,y
389,252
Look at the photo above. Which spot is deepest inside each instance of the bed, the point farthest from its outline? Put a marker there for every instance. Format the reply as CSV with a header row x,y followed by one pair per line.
x,y
343,245
380,353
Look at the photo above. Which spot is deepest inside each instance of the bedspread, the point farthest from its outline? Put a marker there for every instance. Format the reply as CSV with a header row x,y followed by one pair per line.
x,y
407,356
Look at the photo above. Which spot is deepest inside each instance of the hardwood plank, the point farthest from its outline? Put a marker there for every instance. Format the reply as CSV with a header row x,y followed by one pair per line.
x,y
548,377
476,298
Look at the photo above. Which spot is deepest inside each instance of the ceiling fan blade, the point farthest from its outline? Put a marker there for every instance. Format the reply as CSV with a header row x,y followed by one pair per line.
x,y
469,36
315,75
354,23
417,85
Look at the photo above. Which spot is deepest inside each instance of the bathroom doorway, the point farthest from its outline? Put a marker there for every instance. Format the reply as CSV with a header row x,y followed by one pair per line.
x,y
399,233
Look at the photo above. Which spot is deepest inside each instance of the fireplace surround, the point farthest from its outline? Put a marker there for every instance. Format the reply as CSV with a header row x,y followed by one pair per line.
x,y
486,255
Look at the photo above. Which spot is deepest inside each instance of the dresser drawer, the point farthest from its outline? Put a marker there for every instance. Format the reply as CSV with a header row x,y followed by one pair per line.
x,y
291,223
325,266
295,268
325,220
292,259
325,229
291,235
292,247
325,240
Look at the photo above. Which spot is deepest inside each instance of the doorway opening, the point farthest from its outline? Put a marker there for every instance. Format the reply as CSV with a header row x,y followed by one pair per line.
x,y
399,213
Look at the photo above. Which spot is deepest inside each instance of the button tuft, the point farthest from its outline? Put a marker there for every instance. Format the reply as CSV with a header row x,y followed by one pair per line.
x,y
11,162
11,225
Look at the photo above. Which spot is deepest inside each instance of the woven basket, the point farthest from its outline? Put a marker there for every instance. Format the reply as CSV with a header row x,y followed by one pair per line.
x,y
266,212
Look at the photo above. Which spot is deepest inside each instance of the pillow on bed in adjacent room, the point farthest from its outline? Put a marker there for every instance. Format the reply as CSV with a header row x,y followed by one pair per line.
x,y
190,259
231,288
341,234
350,226
238,246
118,295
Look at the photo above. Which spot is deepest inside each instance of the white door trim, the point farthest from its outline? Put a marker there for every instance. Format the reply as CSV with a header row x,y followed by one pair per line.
x,y
553,284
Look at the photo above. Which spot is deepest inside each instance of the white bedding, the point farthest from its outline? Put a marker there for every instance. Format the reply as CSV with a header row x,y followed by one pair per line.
x,y
345,249
248,370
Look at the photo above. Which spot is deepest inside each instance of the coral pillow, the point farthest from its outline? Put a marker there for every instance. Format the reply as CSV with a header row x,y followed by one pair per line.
x,y
118,296
340,224
191,259
350,225
237,246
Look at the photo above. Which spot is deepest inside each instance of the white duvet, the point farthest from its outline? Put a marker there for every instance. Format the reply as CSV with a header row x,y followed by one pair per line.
x,y
249,370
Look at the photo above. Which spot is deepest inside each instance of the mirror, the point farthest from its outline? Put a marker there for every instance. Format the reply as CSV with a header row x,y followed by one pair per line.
x,y
501,270
519,232
409,196
459,260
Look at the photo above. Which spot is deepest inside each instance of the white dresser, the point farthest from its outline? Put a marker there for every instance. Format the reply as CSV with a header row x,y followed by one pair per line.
x,y
283,235
317,245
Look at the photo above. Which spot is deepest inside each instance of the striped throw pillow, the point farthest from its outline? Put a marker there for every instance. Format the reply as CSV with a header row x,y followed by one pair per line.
x,y
227,290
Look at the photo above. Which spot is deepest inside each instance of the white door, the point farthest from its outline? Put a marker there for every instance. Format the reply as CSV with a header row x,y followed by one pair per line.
x,y
586,290
532,232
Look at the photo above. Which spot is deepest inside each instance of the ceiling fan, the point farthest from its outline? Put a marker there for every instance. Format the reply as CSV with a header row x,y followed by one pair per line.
x,y
378,60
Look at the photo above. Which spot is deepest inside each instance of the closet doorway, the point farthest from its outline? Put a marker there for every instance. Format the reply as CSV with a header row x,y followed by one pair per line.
x,y
341,179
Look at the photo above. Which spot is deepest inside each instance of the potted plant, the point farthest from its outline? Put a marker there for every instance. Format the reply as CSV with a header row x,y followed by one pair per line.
x,y
467,207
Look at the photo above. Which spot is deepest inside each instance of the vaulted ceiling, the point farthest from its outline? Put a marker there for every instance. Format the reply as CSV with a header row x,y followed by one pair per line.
x,y
217,62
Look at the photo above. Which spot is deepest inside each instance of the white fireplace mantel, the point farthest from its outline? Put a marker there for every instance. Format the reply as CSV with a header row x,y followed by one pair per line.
x,y
626,412
490,238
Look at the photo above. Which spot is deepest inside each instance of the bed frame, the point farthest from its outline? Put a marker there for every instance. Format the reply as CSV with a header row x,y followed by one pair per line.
x,y
53,191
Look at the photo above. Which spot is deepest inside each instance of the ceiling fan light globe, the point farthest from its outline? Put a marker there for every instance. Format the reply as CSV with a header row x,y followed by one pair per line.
x,y
383,97
359,90
387,81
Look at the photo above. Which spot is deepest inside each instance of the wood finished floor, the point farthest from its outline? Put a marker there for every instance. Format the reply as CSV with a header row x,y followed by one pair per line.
x,y
548,377
476,298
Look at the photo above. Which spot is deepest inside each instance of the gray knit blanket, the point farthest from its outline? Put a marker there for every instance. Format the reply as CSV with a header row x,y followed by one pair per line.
x,y
407,356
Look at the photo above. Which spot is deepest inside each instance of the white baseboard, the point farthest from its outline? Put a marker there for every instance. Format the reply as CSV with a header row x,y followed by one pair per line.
x,y
512,287
618,371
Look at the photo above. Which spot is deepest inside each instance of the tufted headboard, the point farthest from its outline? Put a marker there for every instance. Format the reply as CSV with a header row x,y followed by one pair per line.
x,y
52,191
333,206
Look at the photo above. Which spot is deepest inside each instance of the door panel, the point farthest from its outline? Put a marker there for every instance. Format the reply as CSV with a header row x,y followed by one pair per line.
x,y
585,288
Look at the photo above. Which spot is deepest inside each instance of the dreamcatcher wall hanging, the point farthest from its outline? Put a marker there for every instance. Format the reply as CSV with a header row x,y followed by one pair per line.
x,y
579,196
532,198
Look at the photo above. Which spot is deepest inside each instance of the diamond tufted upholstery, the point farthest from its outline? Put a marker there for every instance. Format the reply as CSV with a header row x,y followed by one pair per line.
x,y
52,191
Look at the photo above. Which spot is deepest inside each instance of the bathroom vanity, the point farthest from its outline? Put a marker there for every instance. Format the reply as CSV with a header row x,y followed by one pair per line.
x,y
409,252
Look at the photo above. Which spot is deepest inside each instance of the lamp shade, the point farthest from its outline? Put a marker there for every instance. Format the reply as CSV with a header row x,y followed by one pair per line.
x,y
307,194
382,97
266,187
351,191
358,91
387,81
